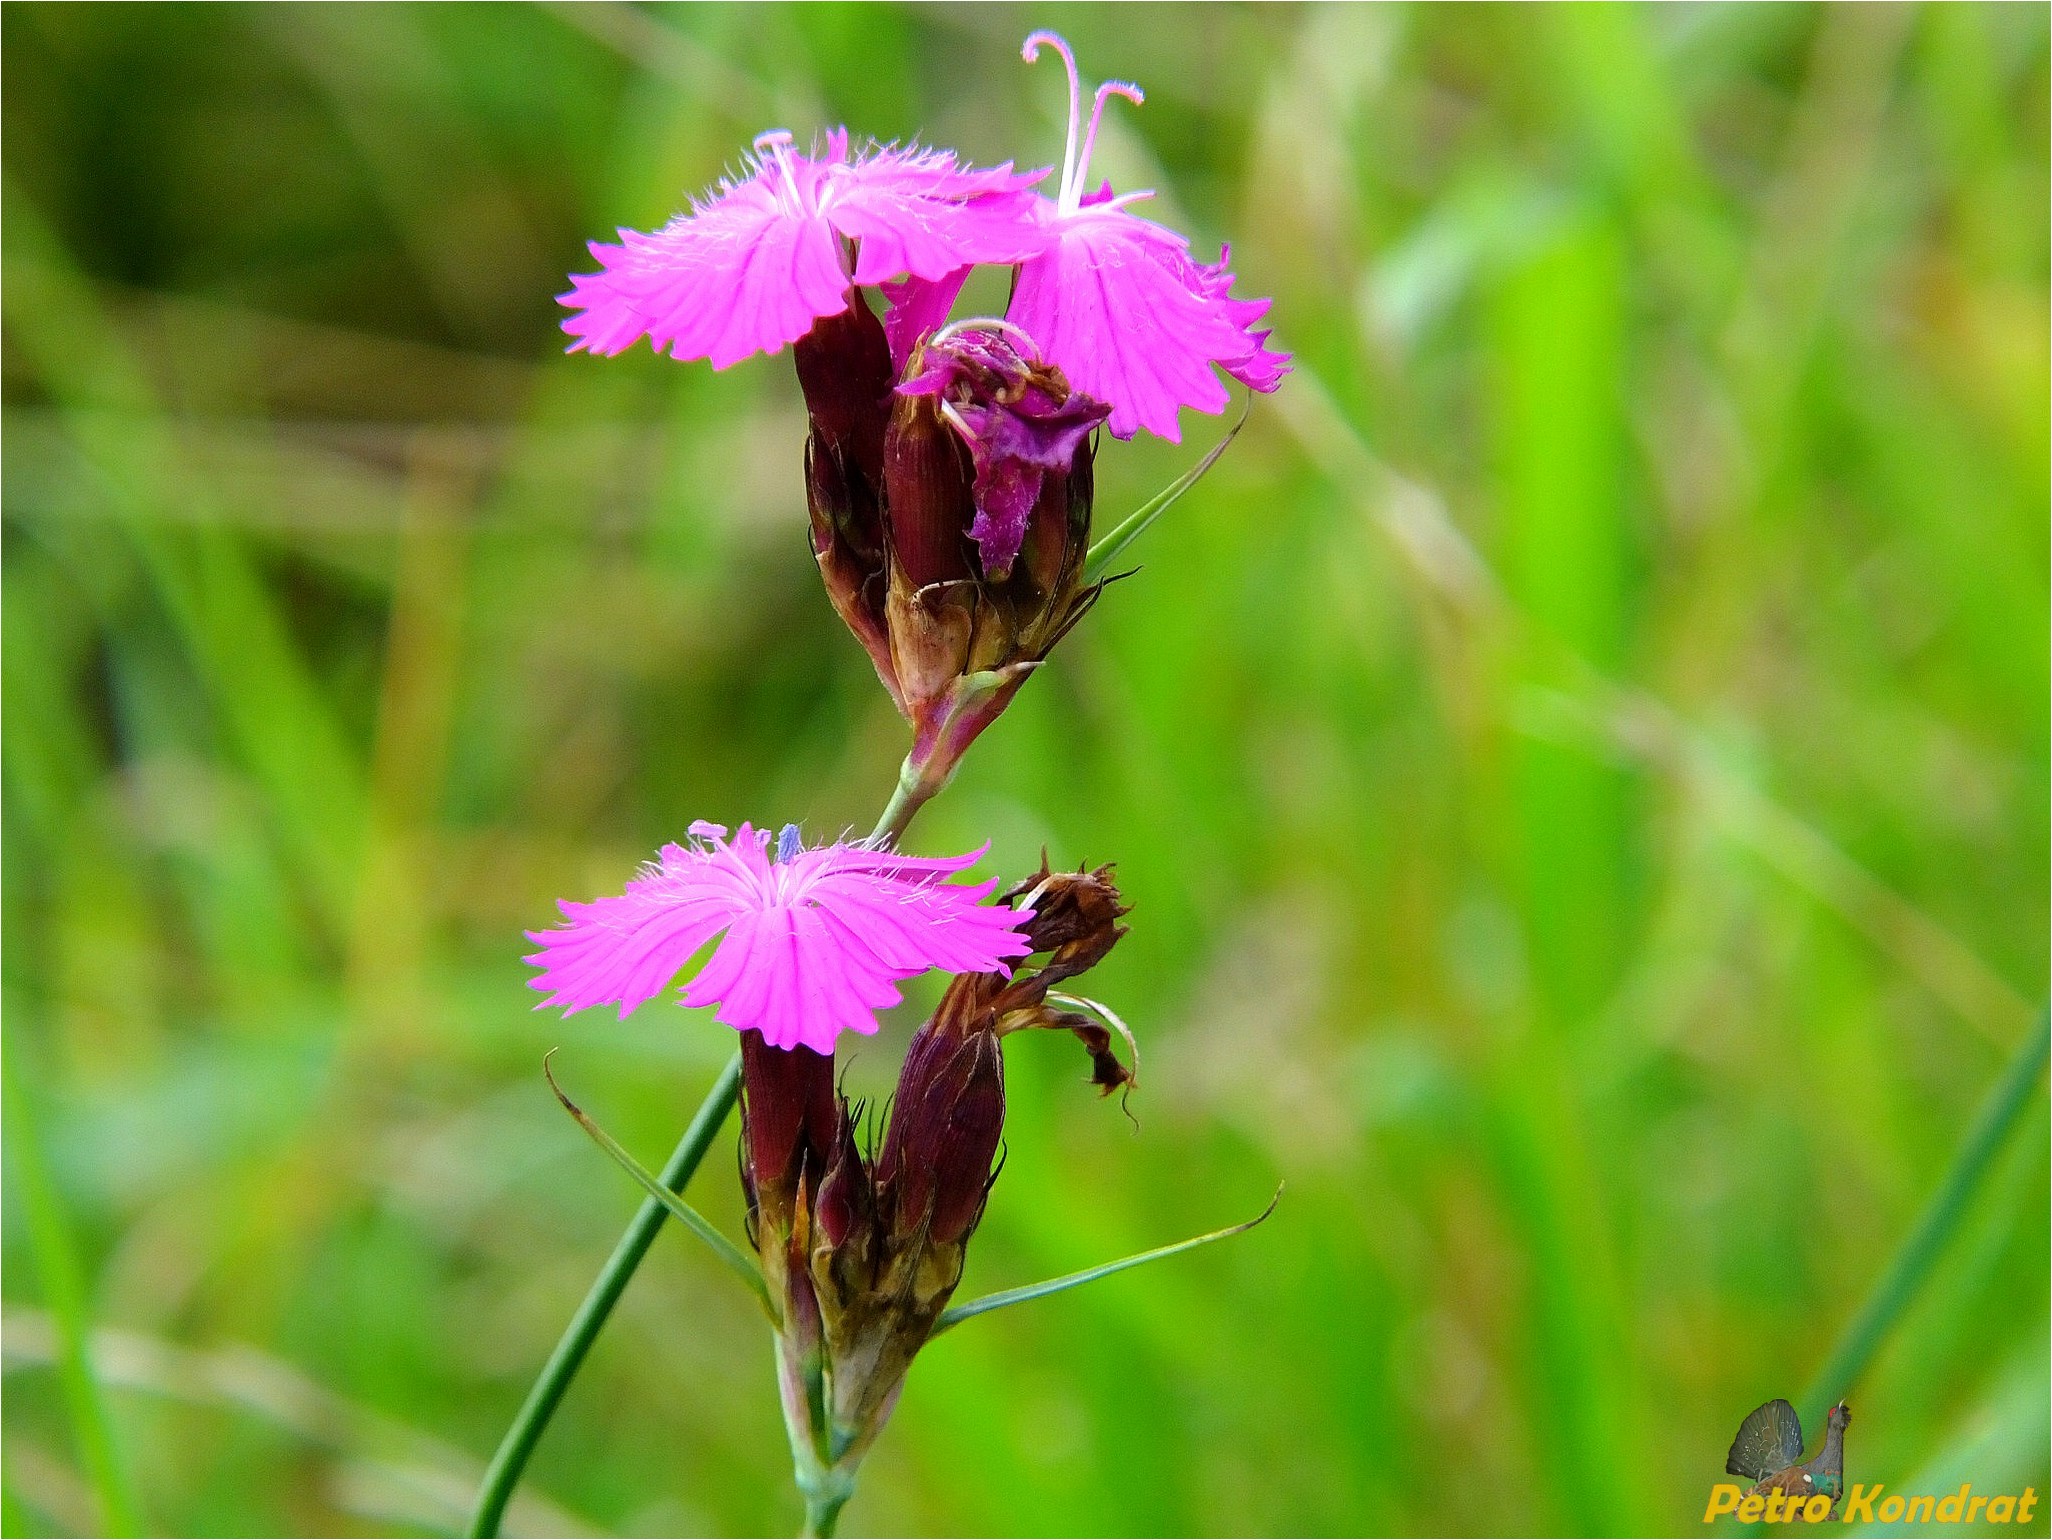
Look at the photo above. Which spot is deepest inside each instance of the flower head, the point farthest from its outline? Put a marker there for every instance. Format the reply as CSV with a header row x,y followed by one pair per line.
x,y
1118,302
863,1246
751,267
815,940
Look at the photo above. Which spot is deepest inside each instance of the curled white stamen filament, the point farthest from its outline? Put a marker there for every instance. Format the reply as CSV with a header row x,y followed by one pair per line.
x,y
1072,196
1031,53
991,323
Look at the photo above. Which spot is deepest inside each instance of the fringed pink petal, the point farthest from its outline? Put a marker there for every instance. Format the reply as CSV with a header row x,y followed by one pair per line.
x,y
807,948
916,213
1261,367
623,951
1118,304
742,275
749,269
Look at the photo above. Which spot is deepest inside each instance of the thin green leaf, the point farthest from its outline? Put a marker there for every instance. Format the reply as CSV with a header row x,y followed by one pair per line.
x,y
955,1315
64,1294
1921,1248
697,1223
495,1492
1129,529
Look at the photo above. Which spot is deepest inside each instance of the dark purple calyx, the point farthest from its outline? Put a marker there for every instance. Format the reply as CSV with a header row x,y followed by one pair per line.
x,y
1017,418
790,1119
844,369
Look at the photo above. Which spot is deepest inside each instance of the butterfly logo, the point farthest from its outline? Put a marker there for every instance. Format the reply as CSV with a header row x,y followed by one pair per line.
x,y
1769,1452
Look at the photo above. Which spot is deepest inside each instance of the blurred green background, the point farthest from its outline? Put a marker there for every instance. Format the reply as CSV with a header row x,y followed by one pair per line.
x,y
1580,763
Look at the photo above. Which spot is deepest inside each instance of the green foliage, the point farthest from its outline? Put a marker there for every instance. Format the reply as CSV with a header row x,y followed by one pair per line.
x,y
1580,762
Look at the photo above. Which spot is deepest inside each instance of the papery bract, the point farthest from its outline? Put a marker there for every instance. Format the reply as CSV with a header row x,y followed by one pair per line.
x,y
814,944
750,268
1120,305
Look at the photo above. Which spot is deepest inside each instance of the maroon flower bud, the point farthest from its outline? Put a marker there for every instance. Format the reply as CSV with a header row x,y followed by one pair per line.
x,y
926,478
844,368
843,515
946,1121
950,517
1057,540
845,1210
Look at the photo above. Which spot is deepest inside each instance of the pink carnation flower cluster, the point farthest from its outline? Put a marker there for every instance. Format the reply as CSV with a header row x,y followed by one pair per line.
x,y
1113,300
949,490
1111,322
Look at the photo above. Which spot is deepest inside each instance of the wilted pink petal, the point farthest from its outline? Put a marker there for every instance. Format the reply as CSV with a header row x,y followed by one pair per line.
x,y
813,945
1118,303
752,267
1018,418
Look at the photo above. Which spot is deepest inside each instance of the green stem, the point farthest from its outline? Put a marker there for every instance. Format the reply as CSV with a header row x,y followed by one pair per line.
x,y
823,1512
540,1405
825,1481
915,788
1914,1260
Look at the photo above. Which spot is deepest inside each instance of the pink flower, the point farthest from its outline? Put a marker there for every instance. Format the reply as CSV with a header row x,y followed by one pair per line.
x,y
815,941
752,267
1120,305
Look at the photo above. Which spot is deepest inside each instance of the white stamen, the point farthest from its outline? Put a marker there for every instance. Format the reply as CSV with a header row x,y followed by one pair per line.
x,y
947,410
1030,53
1072,197
778,142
